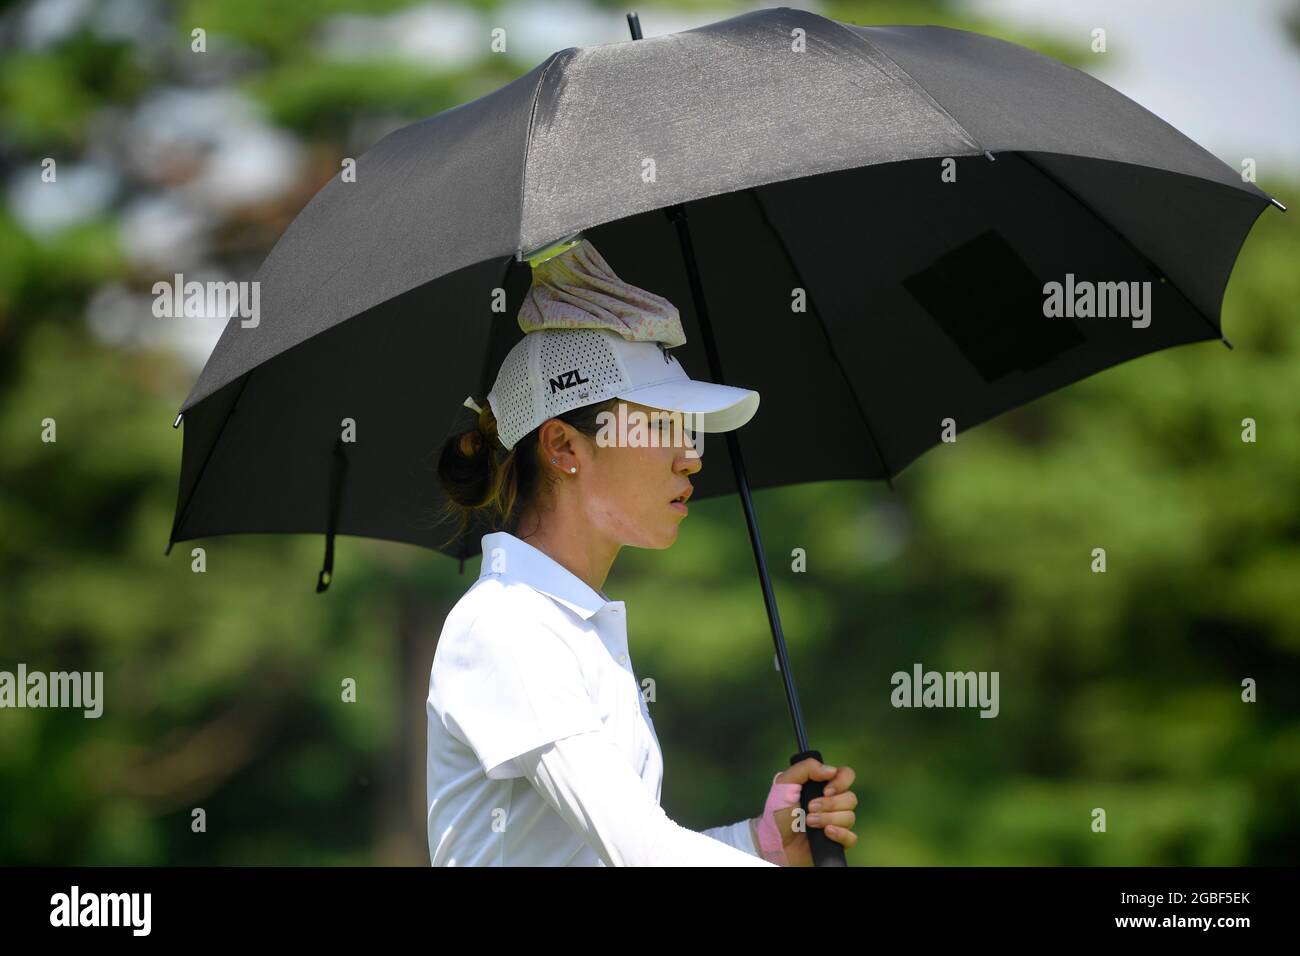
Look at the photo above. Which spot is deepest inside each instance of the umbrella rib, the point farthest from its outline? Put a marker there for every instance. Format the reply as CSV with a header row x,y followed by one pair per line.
x,y
913,82
528,146
1146,260
826,337
185,509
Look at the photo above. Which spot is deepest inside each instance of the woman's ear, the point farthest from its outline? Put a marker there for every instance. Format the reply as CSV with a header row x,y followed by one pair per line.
x,y
555,439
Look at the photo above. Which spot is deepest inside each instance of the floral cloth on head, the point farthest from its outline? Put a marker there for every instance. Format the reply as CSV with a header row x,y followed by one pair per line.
x,y
578,290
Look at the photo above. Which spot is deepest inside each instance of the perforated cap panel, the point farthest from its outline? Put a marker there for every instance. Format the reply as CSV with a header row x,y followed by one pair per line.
x,y
575,368
552,371
512,399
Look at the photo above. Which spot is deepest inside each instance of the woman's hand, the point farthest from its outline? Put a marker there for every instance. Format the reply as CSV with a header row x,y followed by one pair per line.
x,y
832,812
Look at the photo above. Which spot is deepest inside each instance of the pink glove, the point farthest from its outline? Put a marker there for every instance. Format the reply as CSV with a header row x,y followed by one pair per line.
x,y
781,795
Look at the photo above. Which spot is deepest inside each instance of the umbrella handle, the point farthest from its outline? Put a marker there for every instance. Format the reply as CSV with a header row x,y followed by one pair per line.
x,y
825,851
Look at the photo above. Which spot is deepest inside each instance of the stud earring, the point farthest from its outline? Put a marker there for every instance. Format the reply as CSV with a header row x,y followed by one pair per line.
x,y
573,470
555,461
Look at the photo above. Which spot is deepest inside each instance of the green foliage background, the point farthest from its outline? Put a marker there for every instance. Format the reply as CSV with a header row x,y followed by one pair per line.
x,y
1118,690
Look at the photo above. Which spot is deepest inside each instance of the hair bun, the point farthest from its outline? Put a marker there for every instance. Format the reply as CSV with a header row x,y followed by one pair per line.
x,y
471,442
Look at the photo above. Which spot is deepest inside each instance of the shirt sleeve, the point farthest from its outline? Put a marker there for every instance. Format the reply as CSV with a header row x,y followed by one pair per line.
x,y
507,689
735,834
587,780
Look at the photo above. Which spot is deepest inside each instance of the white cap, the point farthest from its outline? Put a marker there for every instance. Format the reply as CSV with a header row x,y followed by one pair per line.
x,y
551,371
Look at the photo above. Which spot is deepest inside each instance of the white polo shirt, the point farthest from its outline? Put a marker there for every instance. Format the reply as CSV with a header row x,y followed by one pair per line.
x,y
529,656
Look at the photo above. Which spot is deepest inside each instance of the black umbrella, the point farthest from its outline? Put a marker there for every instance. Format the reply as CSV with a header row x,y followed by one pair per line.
x,y
859,218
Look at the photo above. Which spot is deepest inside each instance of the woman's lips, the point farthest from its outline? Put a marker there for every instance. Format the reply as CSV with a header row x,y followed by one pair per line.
x,y
680,506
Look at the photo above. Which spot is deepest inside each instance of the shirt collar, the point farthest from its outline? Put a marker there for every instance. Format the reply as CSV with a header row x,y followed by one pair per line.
x,y
541,572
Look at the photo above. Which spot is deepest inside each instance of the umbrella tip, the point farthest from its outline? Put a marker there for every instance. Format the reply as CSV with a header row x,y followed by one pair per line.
x,y
1224,340
634,25
991,158
179,416
1276,203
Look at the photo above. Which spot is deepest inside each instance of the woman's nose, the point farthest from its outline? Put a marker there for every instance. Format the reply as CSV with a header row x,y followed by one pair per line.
x,y
694,450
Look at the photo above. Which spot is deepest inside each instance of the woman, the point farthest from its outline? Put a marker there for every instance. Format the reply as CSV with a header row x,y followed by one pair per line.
x,y
541,747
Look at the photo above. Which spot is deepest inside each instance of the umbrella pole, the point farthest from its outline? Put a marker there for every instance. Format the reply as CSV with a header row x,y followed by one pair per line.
x,y
825,851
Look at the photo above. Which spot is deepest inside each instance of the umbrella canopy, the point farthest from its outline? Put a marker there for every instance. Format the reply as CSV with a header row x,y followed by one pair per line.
x,y
875,213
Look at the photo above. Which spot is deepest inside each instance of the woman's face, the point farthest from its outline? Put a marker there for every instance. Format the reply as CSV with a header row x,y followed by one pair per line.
x,y
632,479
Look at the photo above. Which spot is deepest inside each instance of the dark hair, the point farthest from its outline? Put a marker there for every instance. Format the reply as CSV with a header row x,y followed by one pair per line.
x,y
480,477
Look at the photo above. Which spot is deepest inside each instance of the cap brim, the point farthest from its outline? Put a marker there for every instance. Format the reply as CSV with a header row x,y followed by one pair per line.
x,y
723,407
